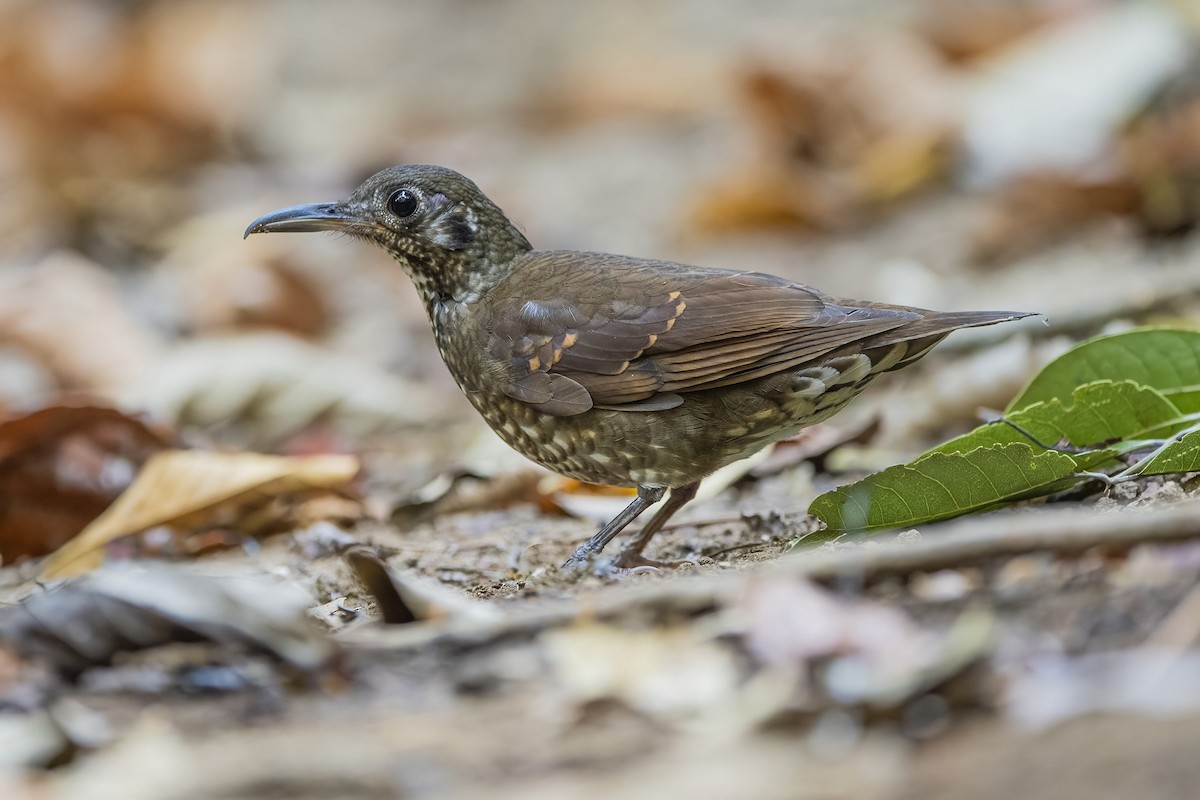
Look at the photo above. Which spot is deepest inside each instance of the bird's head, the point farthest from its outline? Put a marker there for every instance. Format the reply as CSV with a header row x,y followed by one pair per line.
x,y
448,236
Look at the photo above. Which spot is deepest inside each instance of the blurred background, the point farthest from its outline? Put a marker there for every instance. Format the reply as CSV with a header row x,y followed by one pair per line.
x,y
1039,155
1029,154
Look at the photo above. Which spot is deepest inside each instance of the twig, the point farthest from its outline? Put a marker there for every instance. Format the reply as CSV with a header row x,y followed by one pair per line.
x,y
959,543
954,544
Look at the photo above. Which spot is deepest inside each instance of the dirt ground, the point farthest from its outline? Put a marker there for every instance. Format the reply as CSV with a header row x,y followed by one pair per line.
x,y
406,629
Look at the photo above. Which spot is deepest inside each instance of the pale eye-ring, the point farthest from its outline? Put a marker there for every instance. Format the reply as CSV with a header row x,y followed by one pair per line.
x,y
403,203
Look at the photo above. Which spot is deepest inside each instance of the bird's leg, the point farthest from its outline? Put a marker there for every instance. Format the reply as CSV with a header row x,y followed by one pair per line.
x,y
646,497
632,556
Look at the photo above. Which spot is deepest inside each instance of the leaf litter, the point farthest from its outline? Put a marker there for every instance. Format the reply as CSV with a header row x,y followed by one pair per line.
x,y
908,665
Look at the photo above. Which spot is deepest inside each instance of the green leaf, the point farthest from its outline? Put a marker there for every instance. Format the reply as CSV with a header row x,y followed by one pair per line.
x,y
1115,394
1180,456
944,485
1165,359
1098,412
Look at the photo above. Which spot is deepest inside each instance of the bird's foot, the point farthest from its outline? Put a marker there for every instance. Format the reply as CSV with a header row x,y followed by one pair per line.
x,y
627,562
581,559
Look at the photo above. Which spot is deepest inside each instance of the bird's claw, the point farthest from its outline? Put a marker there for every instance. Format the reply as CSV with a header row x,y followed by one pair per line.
x,y
626,563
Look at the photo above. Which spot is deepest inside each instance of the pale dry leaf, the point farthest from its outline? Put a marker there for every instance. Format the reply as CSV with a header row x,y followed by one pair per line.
x,y
128,608
1056,101
666,671
278,385
872,653
1143,681
181,486
68,313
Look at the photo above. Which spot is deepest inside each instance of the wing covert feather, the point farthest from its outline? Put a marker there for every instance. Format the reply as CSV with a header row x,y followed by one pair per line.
x,y
636,334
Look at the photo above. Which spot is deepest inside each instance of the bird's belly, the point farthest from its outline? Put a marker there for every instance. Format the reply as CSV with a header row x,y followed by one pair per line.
x,y
655,448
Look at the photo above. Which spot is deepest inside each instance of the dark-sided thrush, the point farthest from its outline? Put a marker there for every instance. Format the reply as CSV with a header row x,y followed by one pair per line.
x,y
619,370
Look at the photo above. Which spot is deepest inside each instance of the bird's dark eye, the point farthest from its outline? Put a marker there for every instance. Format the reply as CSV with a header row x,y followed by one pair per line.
x,y
402,203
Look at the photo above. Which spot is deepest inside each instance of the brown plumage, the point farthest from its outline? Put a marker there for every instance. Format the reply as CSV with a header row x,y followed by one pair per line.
x,y
620,370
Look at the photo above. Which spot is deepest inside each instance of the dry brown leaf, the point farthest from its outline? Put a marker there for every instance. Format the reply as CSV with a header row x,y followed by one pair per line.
x,y
768,196
104,106
842,133
60,467
902,163
181,486
1040,209
964,30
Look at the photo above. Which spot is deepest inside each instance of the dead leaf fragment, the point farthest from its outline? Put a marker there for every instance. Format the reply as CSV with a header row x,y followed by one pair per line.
x,y
121,609
180,487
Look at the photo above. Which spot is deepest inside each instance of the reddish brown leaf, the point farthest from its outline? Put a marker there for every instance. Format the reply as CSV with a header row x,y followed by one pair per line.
x,y
60,467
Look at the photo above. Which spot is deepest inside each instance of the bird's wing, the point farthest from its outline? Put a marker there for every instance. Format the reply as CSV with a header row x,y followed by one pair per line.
x,y
635,335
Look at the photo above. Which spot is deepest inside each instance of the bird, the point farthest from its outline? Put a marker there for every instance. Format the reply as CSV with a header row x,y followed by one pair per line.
x,y
617,370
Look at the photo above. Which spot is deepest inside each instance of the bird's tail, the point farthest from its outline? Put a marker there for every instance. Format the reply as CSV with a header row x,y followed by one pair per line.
x,y
920,335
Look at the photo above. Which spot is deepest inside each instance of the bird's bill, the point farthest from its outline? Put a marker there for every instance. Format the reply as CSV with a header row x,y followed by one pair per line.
x,y
300,219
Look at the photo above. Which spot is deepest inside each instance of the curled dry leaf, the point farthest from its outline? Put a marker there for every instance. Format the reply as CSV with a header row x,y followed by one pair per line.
x,y
121,609
183,487
276,385
60,467
405,597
